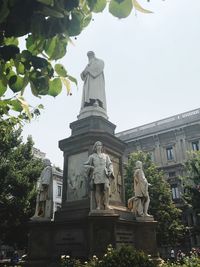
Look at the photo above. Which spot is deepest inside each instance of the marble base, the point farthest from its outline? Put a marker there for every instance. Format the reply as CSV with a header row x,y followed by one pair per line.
x,y
92,111
40,219
109,212
145,219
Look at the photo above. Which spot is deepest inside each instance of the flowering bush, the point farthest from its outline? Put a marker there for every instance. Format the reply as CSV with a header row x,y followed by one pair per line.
x,y
193,261
123,257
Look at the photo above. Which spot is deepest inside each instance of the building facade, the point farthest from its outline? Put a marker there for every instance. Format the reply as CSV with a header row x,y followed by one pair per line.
x,y
168,141
57,189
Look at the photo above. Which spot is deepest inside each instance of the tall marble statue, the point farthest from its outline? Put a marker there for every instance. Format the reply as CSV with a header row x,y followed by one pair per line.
x,y
94,83
100,169
140,202
44,198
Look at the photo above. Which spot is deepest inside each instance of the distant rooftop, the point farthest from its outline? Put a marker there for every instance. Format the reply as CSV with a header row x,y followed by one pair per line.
x,y
38,153
161,125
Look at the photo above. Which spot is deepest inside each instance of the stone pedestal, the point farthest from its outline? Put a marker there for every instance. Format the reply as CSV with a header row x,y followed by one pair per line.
x,y
84,236
78,147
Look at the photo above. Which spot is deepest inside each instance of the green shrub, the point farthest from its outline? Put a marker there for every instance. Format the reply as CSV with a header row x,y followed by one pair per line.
x,y
66,261
193,261
124,257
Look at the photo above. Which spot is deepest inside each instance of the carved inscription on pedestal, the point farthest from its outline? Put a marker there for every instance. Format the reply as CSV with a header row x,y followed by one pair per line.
x,y
69,240
124,236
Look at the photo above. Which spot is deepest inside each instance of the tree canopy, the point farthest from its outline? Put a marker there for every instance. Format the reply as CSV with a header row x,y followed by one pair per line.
x,y
170,230
19,172
47,26
192,181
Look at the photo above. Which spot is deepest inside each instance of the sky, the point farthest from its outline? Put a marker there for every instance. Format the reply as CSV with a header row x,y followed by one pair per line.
x,y
152,71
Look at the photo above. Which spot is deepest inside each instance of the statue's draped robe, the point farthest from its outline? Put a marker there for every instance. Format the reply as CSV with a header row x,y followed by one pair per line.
x,y
45,193
45,180
141,191
140,184
94,82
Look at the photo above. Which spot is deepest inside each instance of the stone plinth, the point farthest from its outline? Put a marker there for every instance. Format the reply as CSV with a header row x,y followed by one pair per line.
x,y
145,219
84,236
92,111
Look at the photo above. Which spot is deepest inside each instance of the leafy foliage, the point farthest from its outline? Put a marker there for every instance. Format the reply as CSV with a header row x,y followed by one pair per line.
x,y
193,261
48,26
170,230
192,181
18,174
126,256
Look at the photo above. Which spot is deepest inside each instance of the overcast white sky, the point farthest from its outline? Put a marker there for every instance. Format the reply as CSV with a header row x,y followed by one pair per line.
x,y
152,71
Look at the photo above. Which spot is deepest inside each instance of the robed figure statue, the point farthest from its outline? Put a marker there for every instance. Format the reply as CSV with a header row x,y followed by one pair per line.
x,y
94,83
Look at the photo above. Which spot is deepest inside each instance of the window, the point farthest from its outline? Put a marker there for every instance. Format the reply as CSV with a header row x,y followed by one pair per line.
x,y
195,145
172,174
170,153
151,155
175,192
59,191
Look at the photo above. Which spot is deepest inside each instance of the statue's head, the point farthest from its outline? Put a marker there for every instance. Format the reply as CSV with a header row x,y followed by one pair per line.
x,y
90,54
97,144
138,164
47,162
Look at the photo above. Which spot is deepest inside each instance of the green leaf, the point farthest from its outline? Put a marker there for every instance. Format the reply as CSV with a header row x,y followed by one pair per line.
x,y
120,9
16,105
16,83
40,106
55,47
72,79
41,85
140,8
33,89
50,46
35,45
38,25
51,12
86,20
11,41
3,87
55,87
4,10
39,62
25,55
75,25
99,6
67,84
60,70
47,2
20,67
91,4
9,73
70,5
25,106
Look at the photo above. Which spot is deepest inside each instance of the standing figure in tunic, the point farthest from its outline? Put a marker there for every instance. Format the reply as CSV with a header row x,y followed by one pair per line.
x,y
100,169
